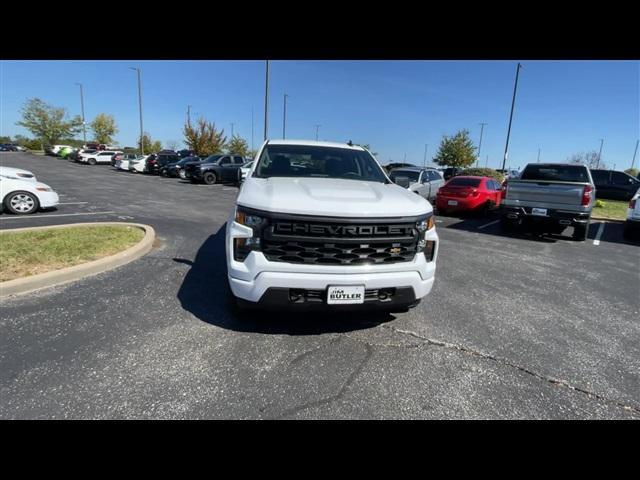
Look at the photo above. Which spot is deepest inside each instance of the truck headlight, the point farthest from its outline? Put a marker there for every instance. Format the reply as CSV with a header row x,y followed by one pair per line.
x,y
242,246
428,247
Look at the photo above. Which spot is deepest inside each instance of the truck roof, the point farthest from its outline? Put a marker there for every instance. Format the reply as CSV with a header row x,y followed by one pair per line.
x,y
316,143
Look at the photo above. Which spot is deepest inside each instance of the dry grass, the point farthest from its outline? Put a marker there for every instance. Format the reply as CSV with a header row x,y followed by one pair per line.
x,y
29,253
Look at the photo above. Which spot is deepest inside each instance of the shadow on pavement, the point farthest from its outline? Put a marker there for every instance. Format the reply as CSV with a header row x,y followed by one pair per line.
x,y
205,293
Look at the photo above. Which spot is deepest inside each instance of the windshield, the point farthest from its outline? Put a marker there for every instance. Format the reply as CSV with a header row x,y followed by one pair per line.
x,y
212,158
464,182
412,175
558,173
318,161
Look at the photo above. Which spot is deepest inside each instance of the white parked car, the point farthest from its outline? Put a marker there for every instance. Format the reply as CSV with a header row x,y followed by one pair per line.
x,y
632,225
138,165
245,169
123,161
17,174
103,156
423,181
25,196
320,224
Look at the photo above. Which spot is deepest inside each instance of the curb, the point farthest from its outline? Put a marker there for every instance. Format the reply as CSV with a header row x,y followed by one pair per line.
x,y
69,274
605,219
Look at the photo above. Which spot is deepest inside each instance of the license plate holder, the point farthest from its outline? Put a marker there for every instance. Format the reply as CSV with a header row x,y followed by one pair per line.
x,y
345,294
539,212
453,203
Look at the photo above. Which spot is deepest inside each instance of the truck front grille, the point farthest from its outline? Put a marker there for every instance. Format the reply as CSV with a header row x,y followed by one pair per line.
x,y
322,243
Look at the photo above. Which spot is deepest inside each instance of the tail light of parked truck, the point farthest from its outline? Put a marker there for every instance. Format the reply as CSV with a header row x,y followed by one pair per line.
x,y
587,193
504,188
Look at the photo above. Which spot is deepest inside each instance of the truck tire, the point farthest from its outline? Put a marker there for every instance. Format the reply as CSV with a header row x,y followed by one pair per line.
x,y
580,232
507,224
92,161
209,178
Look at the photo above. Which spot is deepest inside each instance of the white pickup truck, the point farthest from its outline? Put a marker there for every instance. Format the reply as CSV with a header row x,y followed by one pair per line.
x,y
320,225
549,197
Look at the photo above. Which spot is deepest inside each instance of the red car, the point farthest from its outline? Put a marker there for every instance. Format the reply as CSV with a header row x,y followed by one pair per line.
x,y
469,194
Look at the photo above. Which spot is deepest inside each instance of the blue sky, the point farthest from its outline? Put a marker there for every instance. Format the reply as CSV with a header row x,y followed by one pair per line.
x,y
563,107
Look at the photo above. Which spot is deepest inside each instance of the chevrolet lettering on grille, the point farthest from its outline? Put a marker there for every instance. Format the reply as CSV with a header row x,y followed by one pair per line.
x,y
342,230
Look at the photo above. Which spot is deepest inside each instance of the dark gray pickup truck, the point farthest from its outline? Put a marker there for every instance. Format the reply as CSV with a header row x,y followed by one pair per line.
x,y
549,197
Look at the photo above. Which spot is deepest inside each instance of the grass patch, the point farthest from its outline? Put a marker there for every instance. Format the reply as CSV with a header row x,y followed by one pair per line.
x,y
614,209
29,253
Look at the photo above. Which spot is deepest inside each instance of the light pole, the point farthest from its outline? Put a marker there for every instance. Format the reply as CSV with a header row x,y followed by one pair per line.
x,y
538,155
480,145
252,129
284,117
486,162
84,125
513,103
633,162
140,108
266,101
426,146
189,114
600,153
232,124
317,128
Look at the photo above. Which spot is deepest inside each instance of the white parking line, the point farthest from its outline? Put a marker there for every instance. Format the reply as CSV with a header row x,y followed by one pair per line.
x,y
599,234
72,203
19,217
488,224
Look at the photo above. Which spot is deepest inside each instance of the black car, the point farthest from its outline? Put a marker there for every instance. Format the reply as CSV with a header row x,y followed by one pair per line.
x,y
158,160
451,172
173,169
215,168
7,147
187,153
614,185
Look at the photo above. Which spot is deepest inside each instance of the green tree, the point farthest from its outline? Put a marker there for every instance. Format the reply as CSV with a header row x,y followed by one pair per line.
x,y
632,171
150,145
456,150
203,138
5,139
238,146
48,123
104,128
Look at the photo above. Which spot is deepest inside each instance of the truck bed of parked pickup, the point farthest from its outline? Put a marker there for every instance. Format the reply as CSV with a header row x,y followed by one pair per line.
x,y
549,197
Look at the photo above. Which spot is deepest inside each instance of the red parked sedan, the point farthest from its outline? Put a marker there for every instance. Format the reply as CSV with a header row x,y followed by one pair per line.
x,y
469,194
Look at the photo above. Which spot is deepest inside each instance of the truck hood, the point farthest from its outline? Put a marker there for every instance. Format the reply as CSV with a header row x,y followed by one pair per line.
x,y
331,197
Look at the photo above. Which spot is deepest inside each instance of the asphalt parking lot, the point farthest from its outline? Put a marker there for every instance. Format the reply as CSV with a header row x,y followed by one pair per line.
x,y
515,327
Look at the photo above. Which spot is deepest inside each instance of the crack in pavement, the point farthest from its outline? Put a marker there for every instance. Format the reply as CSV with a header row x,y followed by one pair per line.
x,y
341,391
503,361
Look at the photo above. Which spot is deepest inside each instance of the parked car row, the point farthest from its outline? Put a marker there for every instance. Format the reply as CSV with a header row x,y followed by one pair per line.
x,y
167,163
11,147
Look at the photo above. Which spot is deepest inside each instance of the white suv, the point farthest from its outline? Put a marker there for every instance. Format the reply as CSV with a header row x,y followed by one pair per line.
x,y
320,224
101,156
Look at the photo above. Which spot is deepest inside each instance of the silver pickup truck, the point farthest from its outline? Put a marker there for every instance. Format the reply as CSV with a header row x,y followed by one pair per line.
x,y
549,197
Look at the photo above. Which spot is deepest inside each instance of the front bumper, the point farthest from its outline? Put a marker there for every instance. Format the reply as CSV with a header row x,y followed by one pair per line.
x,y
251,279
48,199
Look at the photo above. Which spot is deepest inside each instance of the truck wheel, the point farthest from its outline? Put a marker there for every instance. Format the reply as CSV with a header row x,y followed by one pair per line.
x,y
21,203
580,232
507,224
209,178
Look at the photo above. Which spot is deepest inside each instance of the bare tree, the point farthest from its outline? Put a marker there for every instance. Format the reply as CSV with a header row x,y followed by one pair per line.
x,y
173,145
590,159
